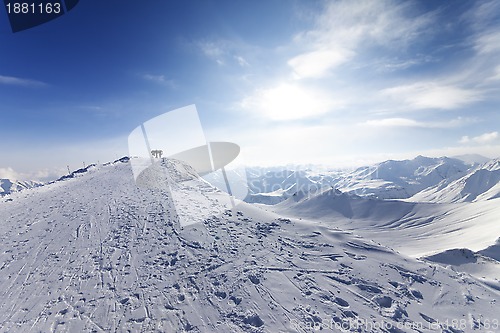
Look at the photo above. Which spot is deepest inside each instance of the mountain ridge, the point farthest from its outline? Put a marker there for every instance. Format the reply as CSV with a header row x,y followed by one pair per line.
x,y
8,186
481,183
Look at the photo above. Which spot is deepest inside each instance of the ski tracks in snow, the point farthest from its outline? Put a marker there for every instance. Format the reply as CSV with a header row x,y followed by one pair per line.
x,y
102,255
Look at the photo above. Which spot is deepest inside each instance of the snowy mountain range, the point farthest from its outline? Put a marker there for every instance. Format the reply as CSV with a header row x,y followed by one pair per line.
x,y
450,222
418,207
481,183
402,179
8,186
417,179
414,228
100,251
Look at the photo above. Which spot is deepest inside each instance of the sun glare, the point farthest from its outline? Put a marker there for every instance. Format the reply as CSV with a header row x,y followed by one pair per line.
x,y
289,102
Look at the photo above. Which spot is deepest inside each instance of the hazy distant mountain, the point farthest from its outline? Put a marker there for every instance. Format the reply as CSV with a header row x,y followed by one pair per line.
x,y
273,185
8,186
261,180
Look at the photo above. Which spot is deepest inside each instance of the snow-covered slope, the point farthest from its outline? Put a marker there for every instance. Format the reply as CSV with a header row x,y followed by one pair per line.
x,y
484,267
481,183
492,251
416,229
431,230
270,198
99,253
330,203
8,186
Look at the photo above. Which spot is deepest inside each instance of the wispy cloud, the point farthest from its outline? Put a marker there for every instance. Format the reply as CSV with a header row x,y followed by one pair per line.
x,y
469,81
213,50
393,60
488,43
496,74
16,81
91,107
480,139
9,173
393,122
482,15
160,79
432,95
226,52
44,175
344,27
241,61
407,122
487,47
484,42
396,64
316,64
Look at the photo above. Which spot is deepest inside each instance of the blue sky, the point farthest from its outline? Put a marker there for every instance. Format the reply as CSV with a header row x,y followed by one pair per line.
x,y
333,82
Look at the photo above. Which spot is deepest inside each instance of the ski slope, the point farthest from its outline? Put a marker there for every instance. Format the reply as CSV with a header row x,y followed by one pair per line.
x,y
97,253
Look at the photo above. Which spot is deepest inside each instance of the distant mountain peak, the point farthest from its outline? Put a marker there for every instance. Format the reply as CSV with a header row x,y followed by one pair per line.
x,y
8,186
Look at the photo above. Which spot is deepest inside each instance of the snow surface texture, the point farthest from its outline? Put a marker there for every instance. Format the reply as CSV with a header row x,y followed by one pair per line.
x,y
182,184
96,252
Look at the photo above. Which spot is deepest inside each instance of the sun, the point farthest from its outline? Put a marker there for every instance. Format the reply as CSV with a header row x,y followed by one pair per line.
x,y
289,102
